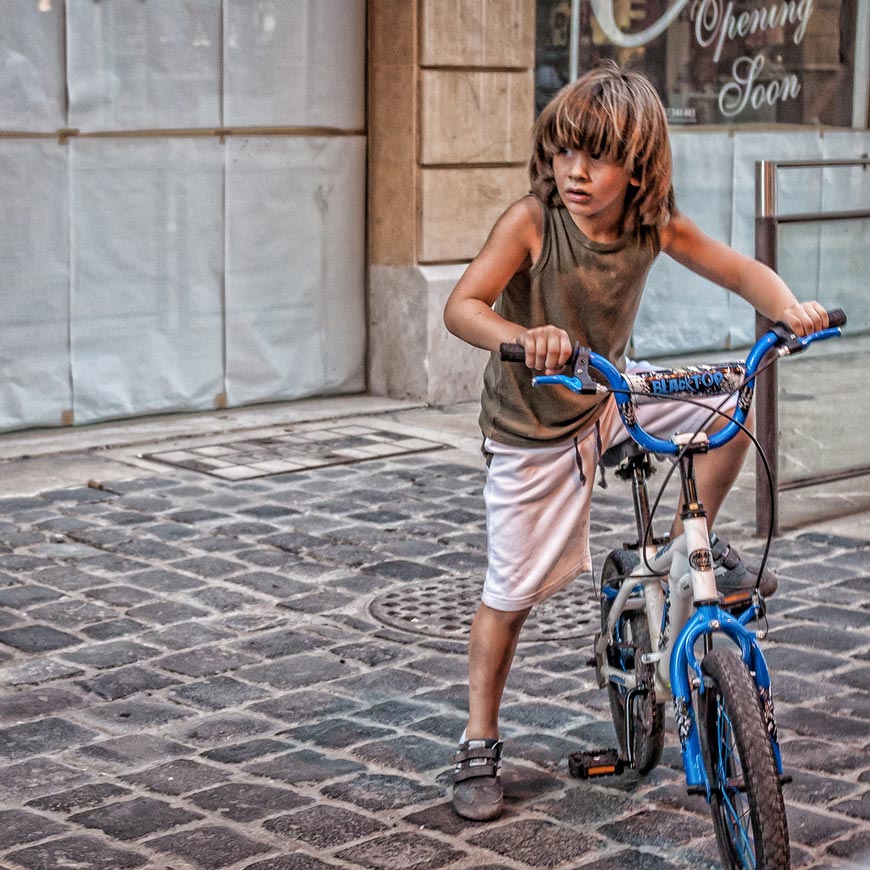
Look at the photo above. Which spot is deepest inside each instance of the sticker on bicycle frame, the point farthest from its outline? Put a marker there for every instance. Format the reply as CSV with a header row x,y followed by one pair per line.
x,y
664,637
683,719
692,380
701,560
744,398
664,549
767,710
629,416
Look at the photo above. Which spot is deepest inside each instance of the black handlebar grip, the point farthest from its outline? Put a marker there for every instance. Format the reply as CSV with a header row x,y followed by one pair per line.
x,y
836,317
512,352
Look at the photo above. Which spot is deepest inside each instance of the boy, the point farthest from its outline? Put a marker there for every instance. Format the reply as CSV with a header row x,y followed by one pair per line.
x,y
568,262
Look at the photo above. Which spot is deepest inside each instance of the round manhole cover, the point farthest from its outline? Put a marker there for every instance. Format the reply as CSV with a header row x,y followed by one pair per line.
x,y
445,608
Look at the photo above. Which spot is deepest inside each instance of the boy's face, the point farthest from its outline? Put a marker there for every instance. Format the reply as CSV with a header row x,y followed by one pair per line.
x,y
593,189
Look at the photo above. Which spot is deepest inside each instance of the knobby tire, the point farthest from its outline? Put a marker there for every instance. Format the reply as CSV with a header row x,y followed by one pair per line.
x,y
746,803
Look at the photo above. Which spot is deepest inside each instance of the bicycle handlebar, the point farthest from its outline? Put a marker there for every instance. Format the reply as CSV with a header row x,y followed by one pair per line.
x,y
836,318
693,381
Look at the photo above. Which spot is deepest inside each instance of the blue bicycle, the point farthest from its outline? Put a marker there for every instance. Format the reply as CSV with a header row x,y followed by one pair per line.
x,y
659,604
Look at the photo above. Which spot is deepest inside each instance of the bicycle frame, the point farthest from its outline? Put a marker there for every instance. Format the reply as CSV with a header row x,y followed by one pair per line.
x,y
690,607
675,657
657,613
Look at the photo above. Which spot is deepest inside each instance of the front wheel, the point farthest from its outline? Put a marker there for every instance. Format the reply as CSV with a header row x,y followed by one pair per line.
x,y
630,641
746,796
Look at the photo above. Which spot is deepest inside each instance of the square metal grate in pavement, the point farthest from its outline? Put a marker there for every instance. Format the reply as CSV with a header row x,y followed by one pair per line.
x,y
298,448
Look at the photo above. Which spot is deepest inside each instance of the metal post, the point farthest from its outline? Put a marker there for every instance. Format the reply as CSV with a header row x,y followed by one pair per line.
x,y
574,45
766,383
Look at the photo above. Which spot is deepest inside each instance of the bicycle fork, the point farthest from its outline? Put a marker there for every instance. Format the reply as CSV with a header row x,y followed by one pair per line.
x,y
708,620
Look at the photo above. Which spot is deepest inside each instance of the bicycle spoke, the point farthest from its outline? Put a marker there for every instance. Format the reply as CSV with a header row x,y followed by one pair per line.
x,y
729,771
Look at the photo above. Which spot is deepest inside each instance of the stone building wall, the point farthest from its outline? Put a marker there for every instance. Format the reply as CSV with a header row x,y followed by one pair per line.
x,y
451,104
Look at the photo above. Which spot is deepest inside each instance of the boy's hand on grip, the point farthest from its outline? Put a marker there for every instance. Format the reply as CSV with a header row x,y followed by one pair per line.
x,y
547,348
805,318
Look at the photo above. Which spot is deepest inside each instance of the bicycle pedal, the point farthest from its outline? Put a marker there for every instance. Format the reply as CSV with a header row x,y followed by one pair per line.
x,y
593,763
736,601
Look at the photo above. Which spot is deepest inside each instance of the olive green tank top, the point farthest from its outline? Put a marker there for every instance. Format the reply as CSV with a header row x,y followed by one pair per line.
x,y
592,290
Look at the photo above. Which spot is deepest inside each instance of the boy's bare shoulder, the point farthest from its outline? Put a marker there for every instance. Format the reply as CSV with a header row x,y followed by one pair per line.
x,y
678,230
523,219
527,211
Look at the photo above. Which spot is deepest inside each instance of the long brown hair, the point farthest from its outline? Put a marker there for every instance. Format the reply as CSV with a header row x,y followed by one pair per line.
x,y
618,114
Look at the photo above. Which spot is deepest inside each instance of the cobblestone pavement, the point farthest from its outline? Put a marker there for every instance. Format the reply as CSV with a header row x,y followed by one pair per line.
x,y
193,678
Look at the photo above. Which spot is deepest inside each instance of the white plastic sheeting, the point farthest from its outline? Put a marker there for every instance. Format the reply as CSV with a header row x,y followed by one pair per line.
x,y
147,265
34,283
829,262
714,177
31,68
295,64
202,63
295,266
135,65
160,273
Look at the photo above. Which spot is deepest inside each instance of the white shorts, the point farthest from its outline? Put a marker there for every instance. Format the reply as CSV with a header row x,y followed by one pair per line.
x,y
537,501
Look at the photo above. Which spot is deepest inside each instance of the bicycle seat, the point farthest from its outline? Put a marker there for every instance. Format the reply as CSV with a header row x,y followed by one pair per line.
x,y
614,456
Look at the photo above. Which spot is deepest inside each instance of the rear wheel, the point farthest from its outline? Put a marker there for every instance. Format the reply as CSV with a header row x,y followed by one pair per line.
x,y
630,641
746,796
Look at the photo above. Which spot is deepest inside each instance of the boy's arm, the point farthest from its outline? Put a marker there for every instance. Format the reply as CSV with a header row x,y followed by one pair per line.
x,y
760,286
513,245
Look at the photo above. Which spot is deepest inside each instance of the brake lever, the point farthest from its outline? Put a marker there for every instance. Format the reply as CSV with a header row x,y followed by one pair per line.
x,y
580,381
581,370
788,341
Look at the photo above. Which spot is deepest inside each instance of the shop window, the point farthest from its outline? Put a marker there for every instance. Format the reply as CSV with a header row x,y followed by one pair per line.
x,y
715,61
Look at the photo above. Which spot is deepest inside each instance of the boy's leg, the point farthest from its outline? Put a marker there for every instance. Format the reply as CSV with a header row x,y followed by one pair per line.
x,y
491,648
477,790
537,504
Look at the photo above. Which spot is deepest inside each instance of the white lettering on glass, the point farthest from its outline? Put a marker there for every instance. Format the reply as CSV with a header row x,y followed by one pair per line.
x,y
604,15
715,21
715,24
743,88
